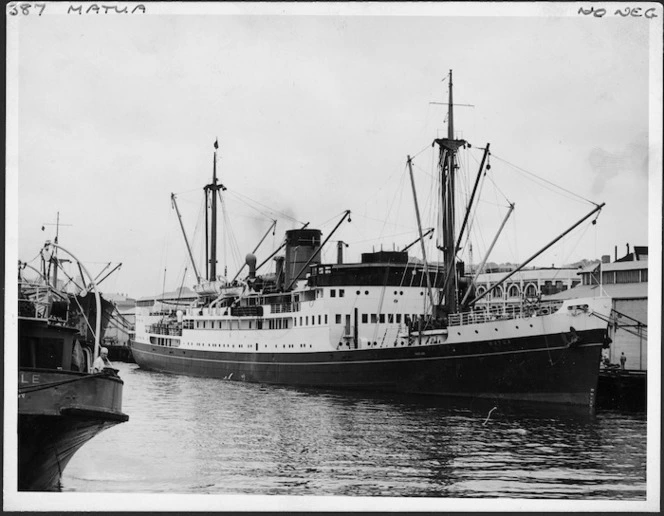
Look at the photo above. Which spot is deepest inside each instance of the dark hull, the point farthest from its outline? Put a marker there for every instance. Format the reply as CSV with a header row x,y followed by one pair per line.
x,y
543,368
59,411
47,443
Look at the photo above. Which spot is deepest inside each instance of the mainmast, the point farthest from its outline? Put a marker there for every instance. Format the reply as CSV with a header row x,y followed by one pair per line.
x,y
447,163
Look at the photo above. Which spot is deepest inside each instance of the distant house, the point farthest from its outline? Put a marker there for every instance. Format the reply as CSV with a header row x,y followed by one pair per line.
x,y
525,284
626,282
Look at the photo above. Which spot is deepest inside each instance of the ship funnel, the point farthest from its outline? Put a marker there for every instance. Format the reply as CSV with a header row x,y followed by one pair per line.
x,y
279,271
301,245
250,260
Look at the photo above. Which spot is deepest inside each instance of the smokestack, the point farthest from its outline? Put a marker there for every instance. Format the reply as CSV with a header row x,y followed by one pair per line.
x,y
279,269
627,248
340,251
615,253
250,260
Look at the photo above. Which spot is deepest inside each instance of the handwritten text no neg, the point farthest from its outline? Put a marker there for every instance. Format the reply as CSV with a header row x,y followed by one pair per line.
x,y
626,12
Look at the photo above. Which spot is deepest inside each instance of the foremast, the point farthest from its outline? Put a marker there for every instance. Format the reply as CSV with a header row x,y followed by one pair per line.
x,y
211,216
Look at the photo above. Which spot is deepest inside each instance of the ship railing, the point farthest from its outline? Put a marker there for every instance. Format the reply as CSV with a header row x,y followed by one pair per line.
x,y
174,329
247,311
281,308
504,313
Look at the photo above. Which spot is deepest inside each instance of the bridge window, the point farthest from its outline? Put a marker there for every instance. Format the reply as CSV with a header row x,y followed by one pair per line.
x,y
325,318
342,292
365,318
390,318
337,318
333,293
374,318
398,318
381,318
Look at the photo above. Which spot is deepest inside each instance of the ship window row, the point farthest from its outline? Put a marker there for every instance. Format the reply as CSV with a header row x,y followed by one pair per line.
x,y
165,341
305,320
377,318
249,347
258,324
341,292
383,318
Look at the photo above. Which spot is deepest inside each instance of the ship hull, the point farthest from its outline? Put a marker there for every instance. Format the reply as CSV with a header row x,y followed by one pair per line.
x,y
542,368
58,413
47,443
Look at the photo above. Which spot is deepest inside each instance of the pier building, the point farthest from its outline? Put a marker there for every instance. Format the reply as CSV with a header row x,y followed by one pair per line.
x,y
626,281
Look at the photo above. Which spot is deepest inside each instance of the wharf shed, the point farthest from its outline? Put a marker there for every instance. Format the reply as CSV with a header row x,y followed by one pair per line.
x,y
626,282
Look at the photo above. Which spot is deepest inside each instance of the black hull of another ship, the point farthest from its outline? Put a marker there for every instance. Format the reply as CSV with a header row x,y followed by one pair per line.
x,y
545,368
48,442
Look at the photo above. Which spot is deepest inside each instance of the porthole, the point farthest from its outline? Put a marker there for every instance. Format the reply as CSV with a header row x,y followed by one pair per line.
x,y
476,331
366,292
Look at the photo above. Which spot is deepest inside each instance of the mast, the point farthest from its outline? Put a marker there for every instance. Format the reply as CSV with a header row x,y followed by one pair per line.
x,y
447,163
213,212
211,196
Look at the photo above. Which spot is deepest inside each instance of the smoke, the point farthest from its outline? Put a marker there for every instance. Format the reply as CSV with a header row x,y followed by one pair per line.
x,y
606,165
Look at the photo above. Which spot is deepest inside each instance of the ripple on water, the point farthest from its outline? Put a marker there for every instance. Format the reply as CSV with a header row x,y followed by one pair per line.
x,y
197,435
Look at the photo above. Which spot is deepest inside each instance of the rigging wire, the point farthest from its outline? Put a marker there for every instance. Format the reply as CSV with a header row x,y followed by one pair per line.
x,y
398,195
535,176
271,210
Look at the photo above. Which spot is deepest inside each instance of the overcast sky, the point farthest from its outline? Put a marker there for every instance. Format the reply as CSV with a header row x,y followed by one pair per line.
x,y
316,114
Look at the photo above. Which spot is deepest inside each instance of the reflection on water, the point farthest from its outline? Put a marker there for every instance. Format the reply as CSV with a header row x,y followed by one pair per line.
x,y
195,435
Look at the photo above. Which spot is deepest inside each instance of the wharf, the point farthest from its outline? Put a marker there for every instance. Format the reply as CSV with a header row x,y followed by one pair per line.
x,y
619,389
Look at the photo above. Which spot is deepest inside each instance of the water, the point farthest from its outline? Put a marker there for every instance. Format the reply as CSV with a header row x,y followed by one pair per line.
x,y
195,435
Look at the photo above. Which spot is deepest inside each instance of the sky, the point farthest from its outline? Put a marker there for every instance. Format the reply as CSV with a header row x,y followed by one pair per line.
x,y
315,111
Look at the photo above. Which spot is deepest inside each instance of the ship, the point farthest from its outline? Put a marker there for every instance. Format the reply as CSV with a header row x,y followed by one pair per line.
x,y
390,323
62,402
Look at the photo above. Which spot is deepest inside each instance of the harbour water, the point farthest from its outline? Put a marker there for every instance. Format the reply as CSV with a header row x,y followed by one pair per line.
x,y
196,435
